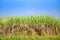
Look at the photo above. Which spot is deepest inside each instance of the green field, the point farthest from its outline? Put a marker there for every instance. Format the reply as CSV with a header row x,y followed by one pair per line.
x,y
30,38
30,28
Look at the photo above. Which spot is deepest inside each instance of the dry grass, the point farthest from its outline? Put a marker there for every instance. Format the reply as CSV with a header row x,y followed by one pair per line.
x,y
31,25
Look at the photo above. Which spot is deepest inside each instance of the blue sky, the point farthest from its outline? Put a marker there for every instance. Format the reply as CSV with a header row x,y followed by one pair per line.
x,y
29,7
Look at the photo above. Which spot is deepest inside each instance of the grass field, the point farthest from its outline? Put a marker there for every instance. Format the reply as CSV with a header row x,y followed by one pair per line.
x,y
30,28
30,38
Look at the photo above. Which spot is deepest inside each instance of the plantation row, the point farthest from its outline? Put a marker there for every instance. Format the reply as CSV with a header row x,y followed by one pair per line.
x,y
30,25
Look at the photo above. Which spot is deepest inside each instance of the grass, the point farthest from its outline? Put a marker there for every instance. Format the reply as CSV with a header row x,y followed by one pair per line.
x,y
30,28
30,19
30,38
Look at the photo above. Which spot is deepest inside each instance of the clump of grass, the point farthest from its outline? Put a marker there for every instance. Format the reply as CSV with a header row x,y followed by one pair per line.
x,y
42,25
